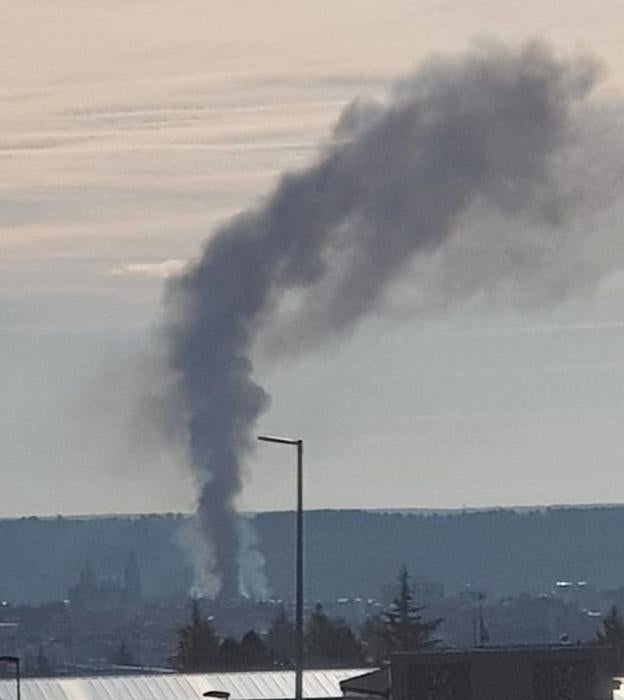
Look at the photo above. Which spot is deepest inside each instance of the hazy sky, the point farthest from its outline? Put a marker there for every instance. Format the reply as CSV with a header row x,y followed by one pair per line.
x,y
130,129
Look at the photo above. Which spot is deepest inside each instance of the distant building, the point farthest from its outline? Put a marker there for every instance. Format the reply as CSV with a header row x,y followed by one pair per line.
x,y
113,590
522,673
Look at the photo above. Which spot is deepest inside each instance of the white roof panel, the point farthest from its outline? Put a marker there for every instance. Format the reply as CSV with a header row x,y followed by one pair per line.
x,y
256,685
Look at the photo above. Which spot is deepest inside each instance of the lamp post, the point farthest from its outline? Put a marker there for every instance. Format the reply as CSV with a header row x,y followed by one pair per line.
x,y
299,563
14,660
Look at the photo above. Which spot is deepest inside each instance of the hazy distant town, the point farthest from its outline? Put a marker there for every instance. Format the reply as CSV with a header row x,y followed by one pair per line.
x,y
113,594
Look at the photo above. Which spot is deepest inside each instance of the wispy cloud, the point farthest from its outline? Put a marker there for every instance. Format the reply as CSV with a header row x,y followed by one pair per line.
x,y
149,270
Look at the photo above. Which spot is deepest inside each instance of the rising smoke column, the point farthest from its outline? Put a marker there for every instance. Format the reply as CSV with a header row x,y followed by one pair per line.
x,y
478,136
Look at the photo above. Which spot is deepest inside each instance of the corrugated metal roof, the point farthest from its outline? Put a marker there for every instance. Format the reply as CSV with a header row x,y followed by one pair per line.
x,y
260,685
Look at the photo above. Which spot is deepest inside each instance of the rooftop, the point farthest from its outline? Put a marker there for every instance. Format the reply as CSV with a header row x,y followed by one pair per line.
x,y
256,685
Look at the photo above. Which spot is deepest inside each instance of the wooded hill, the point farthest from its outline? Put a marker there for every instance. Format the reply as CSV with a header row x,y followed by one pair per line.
x,y
348,553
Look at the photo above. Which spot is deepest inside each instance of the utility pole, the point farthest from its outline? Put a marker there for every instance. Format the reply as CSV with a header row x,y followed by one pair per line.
x,y
299,652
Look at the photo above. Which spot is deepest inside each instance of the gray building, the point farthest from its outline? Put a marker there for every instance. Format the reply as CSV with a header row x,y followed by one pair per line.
x,y
522,673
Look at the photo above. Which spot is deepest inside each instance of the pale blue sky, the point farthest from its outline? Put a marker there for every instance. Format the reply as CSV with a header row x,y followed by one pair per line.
x,y
130,129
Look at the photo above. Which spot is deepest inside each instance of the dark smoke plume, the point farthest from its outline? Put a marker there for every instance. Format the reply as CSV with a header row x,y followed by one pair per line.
x,y
462,184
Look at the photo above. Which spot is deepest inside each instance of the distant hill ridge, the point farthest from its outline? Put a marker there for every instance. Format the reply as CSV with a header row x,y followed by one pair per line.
x,y
407,511
348,552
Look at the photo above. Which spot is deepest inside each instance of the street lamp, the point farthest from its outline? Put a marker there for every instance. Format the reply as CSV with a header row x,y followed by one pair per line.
x,y
14,660
299,563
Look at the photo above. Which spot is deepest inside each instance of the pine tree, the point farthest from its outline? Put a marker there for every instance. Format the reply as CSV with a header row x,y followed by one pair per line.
x,y
229,657
404,626
280,638
330,642
254,652
198,645
401,627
